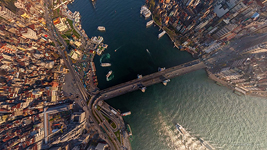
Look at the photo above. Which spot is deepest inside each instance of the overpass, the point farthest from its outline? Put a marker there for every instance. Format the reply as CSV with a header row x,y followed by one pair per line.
x,y
151,79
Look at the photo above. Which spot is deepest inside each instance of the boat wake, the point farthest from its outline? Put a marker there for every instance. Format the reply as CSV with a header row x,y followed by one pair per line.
x,y
117,49
104,57
148,51
110,77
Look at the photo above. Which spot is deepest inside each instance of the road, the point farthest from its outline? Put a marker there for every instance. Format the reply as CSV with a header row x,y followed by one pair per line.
x,y
151,79
53,33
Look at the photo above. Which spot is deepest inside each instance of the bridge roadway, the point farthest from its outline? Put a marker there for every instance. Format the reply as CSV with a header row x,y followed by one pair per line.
x,y
151,79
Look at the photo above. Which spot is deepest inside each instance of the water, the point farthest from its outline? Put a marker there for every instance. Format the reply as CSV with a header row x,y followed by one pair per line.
x,y
213,112
126,33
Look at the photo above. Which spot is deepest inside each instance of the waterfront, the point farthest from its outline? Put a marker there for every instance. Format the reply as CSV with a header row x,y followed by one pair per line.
x,y
126,32
193,100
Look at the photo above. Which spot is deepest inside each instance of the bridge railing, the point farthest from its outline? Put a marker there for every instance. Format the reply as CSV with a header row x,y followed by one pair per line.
x,y
194,62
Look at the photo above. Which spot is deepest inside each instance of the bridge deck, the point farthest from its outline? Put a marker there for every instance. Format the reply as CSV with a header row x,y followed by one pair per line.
x,y
151,79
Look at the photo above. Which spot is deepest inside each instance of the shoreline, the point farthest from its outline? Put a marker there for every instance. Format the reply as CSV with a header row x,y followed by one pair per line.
x,y
171,38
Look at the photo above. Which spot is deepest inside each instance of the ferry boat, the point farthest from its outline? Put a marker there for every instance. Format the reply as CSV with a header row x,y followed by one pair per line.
x,y
181,129
161,69
109,73
130,130
161,34
126,113
166,81
143,89
101,28
139,76
145,11
206,144
149,23
105,64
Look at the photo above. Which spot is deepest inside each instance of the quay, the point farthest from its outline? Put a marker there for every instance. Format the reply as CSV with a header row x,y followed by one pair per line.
x,y
151,79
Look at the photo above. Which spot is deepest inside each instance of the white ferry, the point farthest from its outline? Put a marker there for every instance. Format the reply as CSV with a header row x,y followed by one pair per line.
x,y
109,73
145,11
105,64
161,34
101,28
149,23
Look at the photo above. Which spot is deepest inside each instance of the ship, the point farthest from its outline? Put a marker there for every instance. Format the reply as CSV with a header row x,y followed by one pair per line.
x,y
166,81
161,69
145,11
181,129
129,130
105,64
206,144
161,34
139,76
109,73
143,89
101,28
126,113
149,23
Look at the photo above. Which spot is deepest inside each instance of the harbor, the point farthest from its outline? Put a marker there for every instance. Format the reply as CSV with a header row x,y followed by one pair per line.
x,y
188,107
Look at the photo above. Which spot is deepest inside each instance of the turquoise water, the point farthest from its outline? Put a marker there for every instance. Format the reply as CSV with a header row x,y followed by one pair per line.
x,y
212,112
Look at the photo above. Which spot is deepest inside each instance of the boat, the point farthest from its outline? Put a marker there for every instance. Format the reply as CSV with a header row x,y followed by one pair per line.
x,y
126,113
143,89
145,11
109,73
105,64
206,144
149,23
166,81
161,34
129,130
161,69
147,51
139,76
101,28
181,129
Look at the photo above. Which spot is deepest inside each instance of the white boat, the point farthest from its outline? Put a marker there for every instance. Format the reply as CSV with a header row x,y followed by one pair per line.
x,y
109,73
101,28
161,69
105,64
149,23
181,129
143,89
161,34
166,81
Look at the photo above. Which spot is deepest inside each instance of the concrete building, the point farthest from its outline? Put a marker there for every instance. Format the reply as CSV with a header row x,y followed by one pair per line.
x,y
6,13
30,34
60,25
225,30
220,11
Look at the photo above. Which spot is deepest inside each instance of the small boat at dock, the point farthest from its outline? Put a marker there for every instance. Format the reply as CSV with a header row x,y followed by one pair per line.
x,y
108,75
101,28
161,34
149,23
105,64
126,113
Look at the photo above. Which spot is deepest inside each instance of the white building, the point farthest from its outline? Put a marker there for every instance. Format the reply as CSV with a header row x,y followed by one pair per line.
x,y
30,34
6,13
60,25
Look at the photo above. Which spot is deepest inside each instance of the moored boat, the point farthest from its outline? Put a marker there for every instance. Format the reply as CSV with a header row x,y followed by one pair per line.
x,y
101,28
149,23
105,64
161,34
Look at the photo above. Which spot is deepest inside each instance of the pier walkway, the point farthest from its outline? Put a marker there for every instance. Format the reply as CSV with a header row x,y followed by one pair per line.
x,y
151,79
